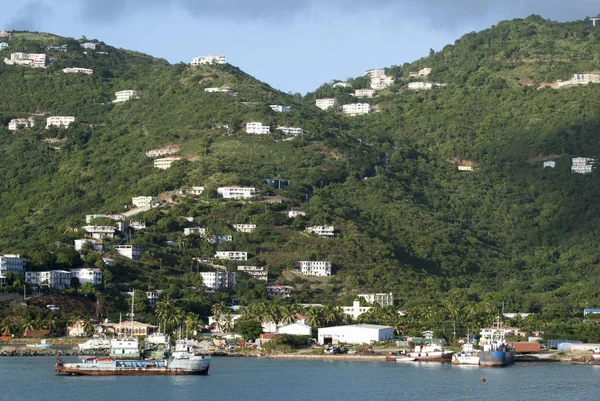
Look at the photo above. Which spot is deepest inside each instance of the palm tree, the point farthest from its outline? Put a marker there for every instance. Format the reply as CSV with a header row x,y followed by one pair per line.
x,y
29,323
313,317
49,323
191,322
287,315
329,315
8,326
228,322
87,325
218,310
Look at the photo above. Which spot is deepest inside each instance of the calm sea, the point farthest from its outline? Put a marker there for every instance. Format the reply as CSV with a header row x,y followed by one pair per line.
x,y
33,379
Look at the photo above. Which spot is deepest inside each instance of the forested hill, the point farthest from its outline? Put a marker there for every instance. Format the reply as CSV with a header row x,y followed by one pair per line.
x,y
406,220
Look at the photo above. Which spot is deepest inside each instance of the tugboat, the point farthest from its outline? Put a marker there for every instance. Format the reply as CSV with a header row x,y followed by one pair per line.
x,y
588,360
466,356
496,352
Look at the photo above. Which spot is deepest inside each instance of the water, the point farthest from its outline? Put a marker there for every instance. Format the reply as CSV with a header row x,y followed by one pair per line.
x,y
33,379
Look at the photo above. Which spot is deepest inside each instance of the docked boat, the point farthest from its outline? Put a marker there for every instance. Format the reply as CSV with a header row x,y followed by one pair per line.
x,y
430,353
94,344
467,356
593,359
43,344
495,351
157,346
405,358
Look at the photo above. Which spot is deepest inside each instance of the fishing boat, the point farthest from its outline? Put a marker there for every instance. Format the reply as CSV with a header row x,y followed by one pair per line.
x,y
495,351
467,356
43,344
430,353
593,359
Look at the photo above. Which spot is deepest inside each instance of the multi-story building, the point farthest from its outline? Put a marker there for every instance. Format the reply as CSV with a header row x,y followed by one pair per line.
x,y
78,70
364,93
355,310
11,264
95,244
375,73
280,109
223,89
137,224
167,150
381,82
217,239
218,280
93,276
379,298
59,121
123,96
342,85
236,192
356,109
20,123
231,255
291,130
57,279
283,291
244,228
4,46
257,128
129,251
152,296
322,231
325,103
315,268
100,232
5,34
209,60
88,45
417,86
27,59
582,165
144,201
201,231
257,273
424,72
166,162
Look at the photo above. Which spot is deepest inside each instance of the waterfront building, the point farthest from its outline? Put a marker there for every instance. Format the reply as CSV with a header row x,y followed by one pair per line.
x,y
355,334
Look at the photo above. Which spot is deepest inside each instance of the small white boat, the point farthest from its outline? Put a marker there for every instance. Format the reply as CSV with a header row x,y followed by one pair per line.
x,y
466,356
404,358
94,344
42,344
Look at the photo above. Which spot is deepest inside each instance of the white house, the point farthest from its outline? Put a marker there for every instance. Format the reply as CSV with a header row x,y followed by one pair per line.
x,y
364,93
197,190
20,123
109,262
325,103
417,86
283,291
144,201
355,109
258,273
236,192
201,231
424,72
137,224
11,264
4,45
342,85
88,45
231,255
78,70
382,299
166,162
582,165
295,213
90,217
381,82
296,329
217,239
375,73
280,109
123,96
59,121
550,163
167,150
580,79
128,251
27,59
100,232
244,228
223,89
322,231
315,268
93,276
257,128
95,244
290,130
355,310
58,279
355,334
209,60
218,280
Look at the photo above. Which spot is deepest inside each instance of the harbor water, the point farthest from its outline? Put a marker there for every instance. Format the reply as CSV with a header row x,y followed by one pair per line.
x,y
33,379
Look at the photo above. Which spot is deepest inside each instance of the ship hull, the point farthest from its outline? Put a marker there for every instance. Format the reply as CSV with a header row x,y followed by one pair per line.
x,y
131,372
111,367
496,358
585,361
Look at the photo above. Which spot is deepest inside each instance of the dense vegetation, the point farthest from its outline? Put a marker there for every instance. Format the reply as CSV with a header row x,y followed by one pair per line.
x,y
449,245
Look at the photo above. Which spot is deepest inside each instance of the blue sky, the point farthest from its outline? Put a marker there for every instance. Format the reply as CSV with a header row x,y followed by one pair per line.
x,y
293,45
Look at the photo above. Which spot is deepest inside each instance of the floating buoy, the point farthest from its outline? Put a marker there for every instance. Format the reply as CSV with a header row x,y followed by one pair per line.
x,y
482,380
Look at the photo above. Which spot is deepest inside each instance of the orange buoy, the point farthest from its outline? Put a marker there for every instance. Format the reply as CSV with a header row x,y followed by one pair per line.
x,y
482,380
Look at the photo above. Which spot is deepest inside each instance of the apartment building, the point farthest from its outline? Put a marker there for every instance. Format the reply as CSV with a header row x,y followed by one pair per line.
x,y
257,128
257,273
356,109
231,255
382,299
11,264
219,280
78,70
364,93
57,279
144,201
20,123
582,165
322,231
315,268
123,96
375,73
381,82
166,162
280,109
209,60
244,228
325,103
282,291
100,232
86,275
236,192
291,130
129,251
59,121
27,59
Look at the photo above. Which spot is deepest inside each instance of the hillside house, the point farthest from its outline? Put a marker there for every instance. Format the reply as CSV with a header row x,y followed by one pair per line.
x,y
94,244
231,255
295,213
88,46
167,150
276,183
197,191
382,299
291,130
257,273
125,95
109,262
78,70
582,165
325,103
364,93
5,34
315,268
244,228
381,82
201,231
257,128
424,72
322,231
85,275
114,216
280,109
100,232
217,239
356,109
166,162
341,85
375,73
11,264
61,48
355,310
595,21
57,279
236,192
223,89
282,291
418,86
209,60
219,280
20,123
137,224
35,60
550,163
59,121
129,251
144,201
4,46
580,79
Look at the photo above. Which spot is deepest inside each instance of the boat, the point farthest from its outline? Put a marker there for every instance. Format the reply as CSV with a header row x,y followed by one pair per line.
x,y
405,358
157,346
430,353
43,344
94,344
495,351
594,359
467,356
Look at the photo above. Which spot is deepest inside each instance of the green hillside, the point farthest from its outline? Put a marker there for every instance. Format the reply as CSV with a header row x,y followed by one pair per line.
x,y
448,244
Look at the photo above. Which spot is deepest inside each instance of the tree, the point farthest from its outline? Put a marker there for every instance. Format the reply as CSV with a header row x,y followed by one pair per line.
x,y
249,329
88,290
8,326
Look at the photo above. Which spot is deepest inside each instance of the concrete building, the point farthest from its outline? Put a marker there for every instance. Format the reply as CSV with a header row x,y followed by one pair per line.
x,y
236,192
129,251
322,231
88,45
109,262
280,109
93,276
283,291
315,268
364,93
418,86
295,213
382,299
11,264
167,150
355,334
217,239
20,123
100,232
296,329
257,273
219,280
137,224
290,130
355,310
201,231
580,79
375,73
59,121
257,128
123,96
424,72
4,46
95,244
244,228
231,255
582,165
381,82
595,21
223,89
209,60
27,59
342,85
144,201
551,164
356,109
57,279
325,103
129,328
166,162
78,70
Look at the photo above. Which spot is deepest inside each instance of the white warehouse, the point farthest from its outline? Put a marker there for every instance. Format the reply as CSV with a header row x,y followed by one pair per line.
x,y
355,334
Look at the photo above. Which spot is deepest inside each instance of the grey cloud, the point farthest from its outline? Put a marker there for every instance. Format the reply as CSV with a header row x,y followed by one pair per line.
x,y
30,16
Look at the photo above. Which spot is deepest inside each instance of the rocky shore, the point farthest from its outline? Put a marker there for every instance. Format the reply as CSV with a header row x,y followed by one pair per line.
x,y
51,352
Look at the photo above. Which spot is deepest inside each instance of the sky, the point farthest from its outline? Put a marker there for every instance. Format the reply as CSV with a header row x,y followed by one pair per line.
x,y
293,45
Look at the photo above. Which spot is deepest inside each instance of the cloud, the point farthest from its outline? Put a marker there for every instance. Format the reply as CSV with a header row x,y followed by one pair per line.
x,y
29,16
